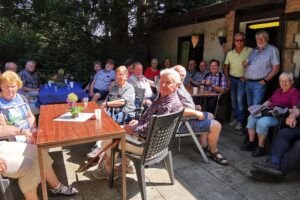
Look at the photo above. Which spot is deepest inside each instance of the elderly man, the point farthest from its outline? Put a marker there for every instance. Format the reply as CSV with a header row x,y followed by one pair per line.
x,y
192,74
260,67
235,74
167,102
215,82
202,73
205,123
102,80
30,79
138,80
11,66
285,155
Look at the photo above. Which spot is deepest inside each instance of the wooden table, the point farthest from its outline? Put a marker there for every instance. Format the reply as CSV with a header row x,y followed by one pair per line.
x,y
204,94
56,133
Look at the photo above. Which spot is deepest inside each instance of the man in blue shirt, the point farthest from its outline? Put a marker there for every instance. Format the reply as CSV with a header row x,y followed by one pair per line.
x,y
100,86
260,67
30,79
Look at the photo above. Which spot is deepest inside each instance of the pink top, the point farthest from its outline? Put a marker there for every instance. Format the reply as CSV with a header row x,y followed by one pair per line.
x,y
150,74
286,99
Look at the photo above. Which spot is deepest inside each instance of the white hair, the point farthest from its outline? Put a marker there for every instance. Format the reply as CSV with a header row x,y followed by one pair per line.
x,y
289,75
173,73
177,68
263,33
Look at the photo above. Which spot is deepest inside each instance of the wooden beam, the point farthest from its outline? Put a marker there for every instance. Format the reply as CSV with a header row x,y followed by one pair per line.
x,y
214,11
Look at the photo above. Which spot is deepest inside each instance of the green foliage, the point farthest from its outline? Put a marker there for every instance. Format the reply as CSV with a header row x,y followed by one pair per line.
x,y
71,34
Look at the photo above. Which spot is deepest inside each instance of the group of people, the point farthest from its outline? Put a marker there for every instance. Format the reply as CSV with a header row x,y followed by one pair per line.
x,y
246,74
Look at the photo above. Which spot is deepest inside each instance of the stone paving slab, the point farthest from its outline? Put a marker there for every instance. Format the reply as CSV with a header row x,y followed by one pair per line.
x,y
194,179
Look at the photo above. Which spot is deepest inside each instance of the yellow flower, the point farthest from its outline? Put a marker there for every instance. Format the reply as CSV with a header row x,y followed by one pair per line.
x,y
72,97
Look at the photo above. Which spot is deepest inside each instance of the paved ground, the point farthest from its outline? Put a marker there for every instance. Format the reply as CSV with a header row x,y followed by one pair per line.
x,y
194,178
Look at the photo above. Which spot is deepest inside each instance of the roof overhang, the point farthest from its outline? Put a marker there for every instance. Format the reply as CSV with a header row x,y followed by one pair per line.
x,y
216,11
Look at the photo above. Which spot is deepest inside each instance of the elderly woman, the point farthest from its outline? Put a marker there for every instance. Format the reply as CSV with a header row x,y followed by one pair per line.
x,y
286,97
19,160
167,102
152,71
120,100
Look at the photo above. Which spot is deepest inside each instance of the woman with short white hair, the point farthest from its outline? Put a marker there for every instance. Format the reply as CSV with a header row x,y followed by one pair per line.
x,y
286,96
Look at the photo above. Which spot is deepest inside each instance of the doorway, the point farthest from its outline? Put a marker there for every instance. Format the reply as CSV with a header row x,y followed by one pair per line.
x,y
186,51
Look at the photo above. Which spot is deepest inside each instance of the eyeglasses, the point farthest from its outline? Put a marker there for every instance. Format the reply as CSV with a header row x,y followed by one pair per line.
x,y
239,40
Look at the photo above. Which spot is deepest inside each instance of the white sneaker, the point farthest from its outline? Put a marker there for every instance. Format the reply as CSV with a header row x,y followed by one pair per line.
x,y
233,123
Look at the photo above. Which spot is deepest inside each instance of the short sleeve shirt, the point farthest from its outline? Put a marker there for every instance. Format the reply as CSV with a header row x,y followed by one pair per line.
x,y
286,99
261,62
185,97
161,106
150,74
127,93
235,60
15,111
141,82
103,79
30,80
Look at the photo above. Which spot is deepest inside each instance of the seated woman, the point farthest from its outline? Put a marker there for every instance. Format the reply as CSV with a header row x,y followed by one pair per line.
x,y
285,155
19,160
215,82
120,99
286,97
167,102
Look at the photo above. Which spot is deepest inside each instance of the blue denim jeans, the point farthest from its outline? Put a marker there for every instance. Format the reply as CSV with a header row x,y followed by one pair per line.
x,y
237,93
255,92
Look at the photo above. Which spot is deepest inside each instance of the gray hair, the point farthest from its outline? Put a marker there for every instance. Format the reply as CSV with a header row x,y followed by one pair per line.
x,y
177,68
172,73
7,65
242,34
154,60
263,33
289,75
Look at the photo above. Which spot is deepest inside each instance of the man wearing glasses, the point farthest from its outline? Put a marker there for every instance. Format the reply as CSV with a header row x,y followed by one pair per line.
x,y
235,74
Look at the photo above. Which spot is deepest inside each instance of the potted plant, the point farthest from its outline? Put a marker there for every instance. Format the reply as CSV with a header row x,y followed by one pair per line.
x,y
74,110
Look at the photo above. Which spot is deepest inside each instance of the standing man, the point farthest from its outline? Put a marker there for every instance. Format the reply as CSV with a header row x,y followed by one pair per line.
x,y
235,74
260,67
30,79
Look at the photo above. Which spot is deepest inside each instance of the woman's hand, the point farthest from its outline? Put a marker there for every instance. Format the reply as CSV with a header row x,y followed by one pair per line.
x,y
3,165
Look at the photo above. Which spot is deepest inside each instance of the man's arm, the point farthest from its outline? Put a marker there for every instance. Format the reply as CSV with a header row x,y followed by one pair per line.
x,y
275,70
188,112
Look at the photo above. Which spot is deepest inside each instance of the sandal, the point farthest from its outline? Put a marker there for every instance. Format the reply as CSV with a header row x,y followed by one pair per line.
x,y
63,190
218,158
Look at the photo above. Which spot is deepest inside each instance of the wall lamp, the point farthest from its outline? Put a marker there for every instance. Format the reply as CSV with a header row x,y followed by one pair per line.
x,y
221,34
